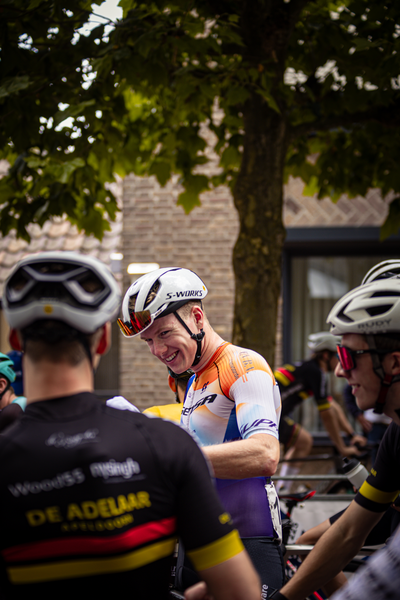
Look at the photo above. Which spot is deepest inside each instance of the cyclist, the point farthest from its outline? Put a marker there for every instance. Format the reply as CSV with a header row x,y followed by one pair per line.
x,y
368,319
299,381
92,497
233,398
11,405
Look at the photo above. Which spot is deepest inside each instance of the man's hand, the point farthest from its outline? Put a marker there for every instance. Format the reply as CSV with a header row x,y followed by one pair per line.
x,y
198,591
350,451
358,439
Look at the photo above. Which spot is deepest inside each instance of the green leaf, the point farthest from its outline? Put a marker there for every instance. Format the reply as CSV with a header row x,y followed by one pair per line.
x,y
12,85
312,187
62,172
231,158
162,171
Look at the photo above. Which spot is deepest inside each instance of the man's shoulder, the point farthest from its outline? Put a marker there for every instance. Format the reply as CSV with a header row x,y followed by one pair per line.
x,y
244,355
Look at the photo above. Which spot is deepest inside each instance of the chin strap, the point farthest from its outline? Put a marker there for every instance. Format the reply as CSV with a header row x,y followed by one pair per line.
x,y
386,380
197,337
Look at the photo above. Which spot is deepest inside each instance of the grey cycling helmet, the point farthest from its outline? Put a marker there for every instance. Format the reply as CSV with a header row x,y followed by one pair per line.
x,y
323,340
77,290
383,270
157,294
371,309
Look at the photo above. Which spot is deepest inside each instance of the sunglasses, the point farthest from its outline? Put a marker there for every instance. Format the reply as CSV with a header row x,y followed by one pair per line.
x,y
347,357
139,321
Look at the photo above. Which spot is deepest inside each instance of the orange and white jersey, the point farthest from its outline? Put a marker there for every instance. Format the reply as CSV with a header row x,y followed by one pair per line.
x,y
233,397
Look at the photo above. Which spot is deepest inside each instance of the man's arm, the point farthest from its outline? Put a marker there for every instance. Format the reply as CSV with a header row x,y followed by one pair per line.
x,y
332,552
256,456
234,579
345,426
331,424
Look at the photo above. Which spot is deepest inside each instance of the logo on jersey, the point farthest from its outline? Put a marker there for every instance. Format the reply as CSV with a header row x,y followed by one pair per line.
x,y
60,440
255,424
203,389
58,482
207,400
112,468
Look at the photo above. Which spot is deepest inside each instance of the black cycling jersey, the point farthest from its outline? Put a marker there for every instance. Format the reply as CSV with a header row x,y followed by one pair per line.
x,y
92,500
383,484
300,380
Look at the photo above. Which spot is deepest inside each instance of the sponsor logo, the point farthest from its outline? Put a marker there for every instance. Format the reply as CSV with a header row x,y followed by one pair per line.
x,y
270,424
185,294
382,323
91,515
111,468
60,440
203,389
264,592
206,400
58,482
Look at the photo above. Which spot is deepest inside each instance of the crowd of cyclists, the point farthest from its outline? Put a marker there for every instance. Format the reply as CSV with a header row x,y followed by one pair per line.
x,y
94,495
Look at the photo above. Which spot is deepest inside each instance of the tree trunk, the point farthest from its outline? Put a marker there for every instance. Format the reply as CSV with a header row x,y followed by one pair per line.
x,y
257,255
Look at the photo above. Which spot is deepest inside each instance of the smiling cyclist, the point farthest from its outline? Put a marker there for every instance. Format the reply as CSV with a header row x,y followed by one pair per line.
x,y
233,398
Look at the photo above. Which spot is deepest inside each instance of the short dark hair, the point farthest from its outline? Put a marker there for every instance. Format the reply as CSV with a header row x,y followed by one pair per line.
x,y
56,342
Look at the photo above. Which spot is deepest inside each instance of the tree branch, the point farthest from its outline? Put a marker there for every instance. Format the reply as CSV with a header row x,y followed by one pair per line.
x,y
386,117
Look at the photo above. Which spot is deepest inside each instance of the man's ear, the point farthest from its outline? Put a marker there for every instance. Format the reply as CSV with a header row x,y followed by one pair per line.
x,y
104,343
14,340
395,362
198,316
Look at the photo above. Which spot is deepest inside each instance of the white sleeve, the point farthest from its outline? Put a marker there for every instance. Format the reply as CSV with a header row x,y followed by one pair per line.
x,y
121,403
258,404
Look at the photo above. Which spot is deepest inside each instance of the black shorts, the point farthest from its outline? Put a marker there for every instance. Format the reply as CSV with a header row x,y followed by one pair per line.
x,y
288,432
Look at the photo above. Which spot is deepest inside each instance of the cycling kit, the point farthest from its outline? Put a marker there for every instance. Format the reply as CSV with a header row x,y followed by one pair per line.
x,y
93,499
234,397
379,579
297,382
382,486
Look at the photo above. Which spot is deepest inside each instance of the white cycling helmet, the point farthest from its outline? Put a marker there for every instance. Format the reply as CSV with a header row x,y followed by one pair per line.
x,y
172,288
383,270
75,289
372,308
322,340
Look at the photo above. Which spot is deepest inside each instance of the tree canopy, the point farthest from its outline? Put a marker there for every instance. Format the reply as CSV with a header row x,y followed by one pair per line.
x,y
303,87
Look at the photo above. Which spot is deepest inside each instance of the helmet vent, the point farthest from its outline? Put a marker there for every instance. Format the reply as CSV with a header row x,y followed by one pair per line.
x,y
343,317
375,311
384,294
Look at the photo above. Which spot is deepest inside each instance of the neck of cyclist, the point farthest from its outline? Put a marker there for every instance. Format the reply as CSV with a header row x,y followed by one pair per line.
x,y
210,343
50,377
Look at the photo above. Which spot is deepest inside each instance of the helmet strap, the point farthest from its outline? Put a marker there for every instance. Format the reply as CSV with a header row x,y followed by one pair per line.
x,y
197,337
386,379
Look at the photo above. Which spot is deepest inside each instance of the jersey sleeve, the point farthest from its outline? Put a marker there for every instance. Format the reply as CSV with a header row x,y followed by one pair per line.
x,y
382,486
256,396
